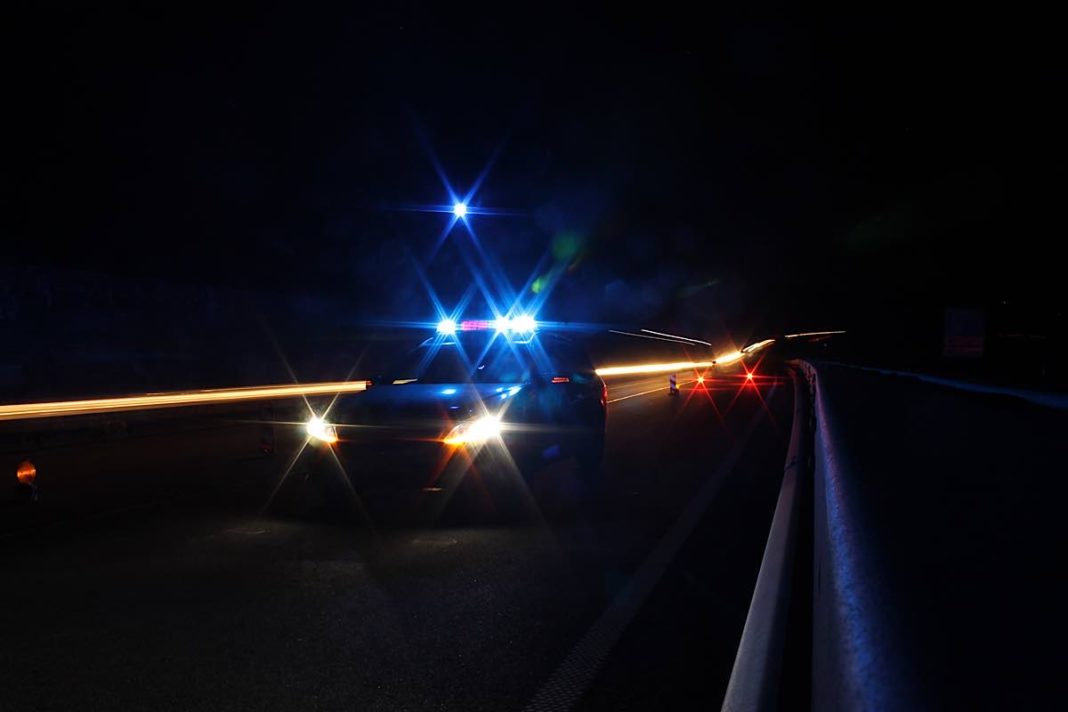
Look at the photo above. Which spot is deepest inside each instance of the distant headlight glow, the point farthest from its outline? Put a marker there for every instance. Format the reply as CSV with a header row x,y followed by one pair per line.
x,y
447,326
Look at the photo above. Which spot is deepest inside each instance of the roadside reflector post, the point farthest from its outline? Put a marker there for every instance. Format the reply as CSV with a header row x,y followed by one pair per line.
x,y
673,385
27,477
267,431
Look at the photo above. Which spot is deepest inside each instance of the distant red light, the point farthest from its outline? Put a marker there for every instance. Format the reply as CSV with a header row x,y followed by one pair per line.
x,y
749,376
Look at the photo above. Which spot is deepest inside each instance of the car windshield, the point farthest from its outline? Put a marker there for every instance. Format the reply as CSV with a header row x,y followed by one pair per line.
x,y
453,362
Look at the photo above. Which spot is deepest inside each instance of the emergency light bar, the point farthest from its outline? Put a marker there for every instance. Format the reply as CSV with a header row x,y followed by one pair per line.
x,y
522,324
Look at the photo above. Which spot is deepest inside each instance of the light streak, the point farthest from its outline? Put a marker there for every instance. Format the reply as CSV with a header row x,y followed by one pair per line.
x,y
644,336
177,399
729,358
724,360
653,368
673,336
814,333
758,346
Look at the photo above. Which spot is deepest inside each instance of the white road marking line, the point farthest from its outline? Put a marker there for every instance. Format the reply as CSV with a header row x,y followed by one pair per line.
x,y
572,677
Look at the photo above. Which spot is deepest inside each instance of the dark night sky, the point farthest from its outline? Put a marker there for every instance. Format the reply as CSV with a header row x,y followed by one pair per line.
x,y
773,168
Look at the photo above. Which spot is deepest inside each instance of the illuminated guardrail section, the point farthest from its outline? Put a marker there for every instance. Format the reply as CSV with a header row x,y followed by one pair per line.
x,y
22,411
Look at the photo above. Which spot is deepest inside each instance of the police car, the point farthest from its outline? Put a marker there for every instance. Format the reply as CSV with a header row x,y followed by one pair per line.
x,y
502,398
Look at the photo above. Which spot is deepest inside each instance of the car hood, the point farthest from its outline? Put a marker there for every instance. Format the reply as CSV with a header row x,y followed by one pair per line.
x,y
421,408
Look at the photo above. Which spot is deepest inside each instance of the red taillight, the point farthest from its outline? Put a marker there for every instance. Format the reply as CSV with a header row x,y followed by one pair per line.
x,y
604,394
561,379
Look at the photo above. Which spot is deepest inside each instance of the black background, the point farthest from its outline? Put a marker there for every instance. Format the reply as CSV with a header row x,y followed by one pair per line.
x,y
718,170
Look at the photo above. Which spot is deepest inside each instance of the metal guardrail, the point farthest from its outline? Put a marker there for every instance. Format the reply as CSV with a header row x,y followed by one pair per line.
x,y
1048,399
755,678
857,656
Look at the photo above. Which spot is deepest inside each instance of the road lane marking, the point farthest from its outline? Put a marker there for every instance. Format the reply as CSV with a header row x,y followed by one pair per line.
x,y
569,682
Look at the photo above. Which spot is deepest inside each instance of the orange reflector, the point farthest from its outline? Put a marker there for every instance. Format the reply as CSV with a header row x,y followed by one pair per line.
x,y
27,473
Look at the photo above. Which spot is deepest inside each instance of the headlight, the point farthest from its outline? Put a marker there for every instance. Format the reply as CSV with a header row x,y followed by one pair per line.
x,y
319,429
474,432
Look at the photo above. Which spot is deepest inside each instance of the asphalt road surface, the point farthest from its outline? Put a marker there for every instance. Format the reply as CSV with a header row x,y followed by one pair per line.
x,y
150,576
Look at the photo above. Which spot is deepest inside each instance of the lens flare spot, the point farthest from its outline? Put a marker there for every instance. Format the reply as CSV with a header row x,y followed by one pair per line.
x,y
566,246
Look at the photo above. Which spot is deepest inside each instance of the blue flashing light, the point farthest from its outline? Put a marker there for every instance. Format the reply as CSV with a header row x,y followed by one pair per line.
x,y
459,209
448,391
524,324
